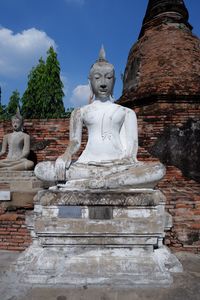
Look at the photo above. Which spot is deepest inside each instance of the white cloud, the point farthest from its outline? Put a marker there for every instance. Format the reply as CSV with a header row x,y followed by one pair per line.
x,y
77,2
20,52
80,95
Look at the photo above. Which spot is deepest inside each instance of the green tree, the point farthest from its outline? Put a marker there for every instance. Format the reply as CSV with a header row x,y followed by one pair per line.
x,y
44,93
3,112
33,97
13,103
54,86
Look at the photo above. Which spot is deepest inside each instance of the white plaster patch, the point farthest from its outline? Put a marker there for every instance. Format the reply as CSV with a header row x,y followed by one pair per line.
x,y
85,213
38,209
131,213
168,260
50,211
5,196
139,213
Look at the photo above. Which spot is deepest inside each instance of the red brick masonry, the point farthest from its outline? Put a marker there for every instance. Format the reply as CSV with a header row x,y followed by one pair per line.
x,y
183,194
14,234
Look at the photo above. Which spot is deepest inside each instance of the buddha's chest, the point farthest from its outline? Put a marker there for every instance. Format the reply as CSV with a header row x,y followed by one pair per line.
x,y
102,116
16,140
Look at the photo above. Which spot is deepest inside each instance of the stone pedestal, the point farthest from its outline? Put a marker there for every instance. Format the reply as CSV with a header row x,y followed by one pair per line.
x,y
98,237
21,186
19,180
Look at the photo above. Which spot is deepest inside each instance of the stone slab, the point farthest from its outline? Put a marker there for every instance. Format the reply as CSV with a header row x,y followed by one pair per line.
x,y
5,196
116,222
85,226
21,199
100,212
128,197
70,212
186,285
22,185
105,241
20,180
17,174
122,243
122,267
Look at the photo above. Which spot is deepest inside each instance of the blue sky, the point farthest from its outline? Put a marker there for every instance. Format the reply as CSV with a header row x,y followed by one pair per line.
x,y
76,28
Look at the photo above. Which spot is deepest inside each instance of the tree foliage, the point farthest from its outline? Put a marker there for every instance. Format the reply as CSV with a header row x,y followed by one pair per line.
x,y
3,112
6,112
54,85
32,97
13,103
44,93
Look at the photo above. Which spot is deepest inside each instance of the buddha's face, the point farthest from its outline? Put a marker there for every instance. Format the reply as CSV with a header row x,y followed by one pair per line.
x,y
102,79
16,124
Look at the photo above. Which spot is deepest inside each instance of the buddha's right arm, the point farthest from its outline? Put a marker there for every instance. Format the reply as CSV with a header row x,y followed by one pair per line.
x,y
63,162
76,125
4,145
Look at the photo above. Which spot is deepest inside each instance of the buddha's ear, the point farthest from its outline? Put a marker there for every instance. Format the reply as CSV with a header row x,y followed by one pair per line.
x,y
91,98
114,79
89,83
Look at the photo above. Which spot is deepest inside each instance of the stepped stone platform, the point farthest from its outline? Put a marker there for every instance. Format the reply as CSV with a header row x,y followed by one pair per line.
x,y
19,180
98,237
18,188
186,285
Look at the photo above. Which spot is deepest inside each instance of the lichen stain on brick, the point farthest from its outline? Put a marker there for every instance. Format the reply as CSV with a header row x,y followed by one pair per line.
x,y
180,147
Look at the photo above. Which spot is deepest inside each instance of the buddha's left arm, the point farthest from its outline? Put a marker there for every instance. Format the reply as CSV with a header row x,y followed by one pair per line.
x,y
26,148
129,135
4,145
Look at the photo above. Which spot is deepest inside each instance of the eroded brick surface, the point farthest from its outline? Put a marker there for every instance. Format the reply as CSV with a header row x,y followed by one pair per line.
x,y
14,234
183,194
165,61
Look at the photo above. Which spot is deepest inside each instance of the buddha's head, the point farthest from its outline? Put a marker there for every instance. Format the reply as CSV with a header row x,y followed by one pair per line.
x,y
102,78
17,121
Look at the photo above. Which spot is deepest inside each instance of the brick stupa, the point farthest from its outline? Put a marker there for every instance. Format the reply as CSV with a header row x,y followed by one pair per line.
x,y
165,61
162,85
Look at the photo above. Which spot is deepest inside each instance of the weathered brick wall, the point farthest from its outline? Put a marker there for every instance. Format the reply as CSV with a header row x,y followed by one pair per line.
x,y
49,138
165,61
183,194
14,234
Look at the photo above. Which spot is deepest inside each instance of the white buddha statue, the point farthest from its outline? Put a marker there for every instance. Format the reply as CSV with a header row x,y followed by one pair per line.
x,y
109,160
18,144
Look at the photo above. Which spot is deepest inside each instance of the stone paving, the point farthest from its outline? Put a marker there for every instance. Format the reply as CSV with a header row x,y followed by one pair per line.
x,y
186,285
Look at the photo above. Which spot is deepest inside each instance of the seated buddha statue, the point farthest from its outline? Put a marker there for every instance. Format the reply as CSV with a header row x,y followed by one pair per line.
x,y
18,144
109,160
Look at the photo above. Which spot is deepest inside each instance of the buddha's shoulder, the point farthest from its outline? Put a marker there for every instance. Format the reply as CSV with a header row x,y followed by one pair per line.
x,y
125,109
76,111
94,106
88,108
25,134
85,107
17,134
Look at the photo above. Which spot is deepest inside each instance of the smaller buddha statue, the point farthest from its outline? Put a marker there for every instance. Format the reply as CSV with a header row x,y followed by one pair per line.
x,y
109,160
18,144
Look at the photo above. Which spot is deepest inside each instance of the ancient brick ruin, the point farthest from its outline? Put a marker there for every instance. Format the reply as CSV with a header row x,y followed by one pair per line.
x,y
162,85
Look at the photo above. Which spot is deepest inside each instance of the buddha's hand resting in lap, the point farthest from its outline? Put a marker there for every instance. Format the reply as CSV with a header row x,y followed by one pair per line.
x,y
62,163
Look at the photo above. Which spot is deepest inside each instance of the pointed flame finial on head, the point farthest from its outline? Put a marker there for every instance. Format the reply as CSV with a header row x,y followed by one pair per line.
x,y
100,62
18,115
102,55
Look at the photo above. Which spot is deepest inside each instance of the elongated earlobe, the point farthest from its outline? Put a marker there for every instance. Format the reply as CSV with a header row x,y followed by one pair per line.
x,y
91,98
